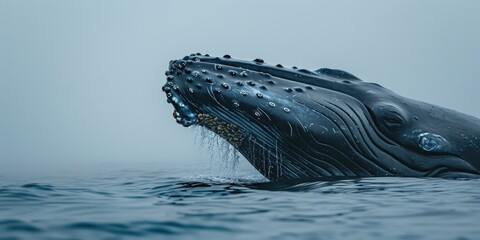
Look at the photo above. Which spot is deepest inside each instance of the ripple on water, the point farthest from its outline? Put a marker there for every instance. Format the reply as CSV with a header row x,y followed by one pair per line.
x,y
151,206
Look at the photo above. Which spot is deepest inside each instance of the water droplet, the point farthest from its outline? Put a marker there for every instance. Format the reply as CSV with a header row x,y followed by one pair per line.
x,y
263,87
217,90
288,90
233,73
286,109
257,114
239,83
224,85
169,95
195,73
189,79
309,87
169,78
259,95
196,59
198,54
271,82
204,71
258,60
218,67
219,75
170,84
208,80
295,67
236,104
243,74
188,70
243,93
271,104
175,87
251,83
279,65
198,86
190,90
226,56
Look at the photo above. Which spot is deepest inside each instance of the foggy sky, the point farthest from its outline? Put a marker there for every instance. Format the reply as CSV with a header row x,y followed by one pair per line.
x,y
80,81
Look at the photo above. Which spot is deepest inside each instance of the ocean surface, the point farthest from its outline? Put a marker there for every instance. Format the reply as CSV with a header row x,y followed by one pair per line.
x,y
176,204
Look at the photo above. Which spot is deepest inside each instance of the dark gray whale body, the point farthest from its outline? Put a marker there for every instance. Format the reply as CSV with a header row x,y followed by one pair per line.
x,y
294,123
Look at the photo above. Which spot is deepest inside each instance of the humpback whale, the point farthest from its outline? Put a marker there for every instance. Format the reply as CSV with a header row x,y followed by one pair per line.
x,y
292,123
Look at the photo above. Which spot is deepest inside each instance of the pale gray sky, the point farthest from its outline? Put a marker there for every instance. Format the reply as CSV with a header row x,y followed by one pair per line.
x,y
80,80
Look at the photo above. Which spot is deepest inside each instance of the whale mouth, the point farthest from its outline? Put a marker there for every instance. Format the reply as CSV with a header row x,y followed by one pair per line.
x,y
186,117
228,131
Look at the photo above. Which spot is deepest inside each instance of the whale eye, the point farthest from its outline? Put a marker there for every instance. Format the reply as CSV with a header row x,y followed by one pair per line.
x,y
388,117
393,120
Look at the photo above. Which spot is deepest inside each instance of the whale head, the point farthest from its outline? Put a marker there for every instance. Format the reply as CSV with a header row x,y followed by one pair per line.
x,y
294,123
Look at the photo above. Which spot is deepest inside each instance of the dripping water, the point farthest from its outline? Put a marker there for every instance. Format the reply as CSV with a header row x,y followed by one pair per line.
x,y
216,156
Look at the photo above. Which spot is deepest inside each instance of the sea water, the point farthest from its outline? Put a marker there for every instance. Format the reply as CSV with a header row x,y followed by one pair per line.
x,y
225,203
168,205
